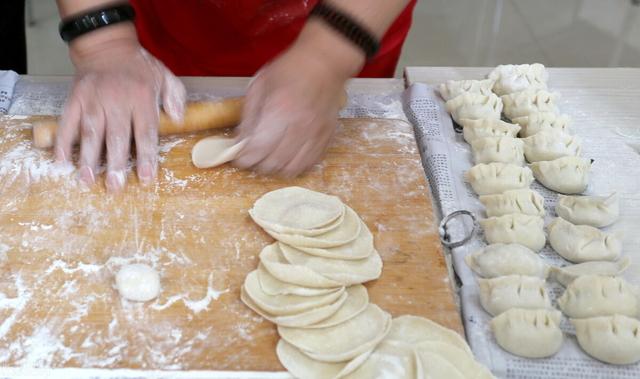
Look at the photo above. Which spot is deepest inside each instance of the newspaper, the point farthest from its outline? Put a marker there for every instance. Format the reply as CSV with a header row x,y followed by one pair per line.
x,y
8,80
446,157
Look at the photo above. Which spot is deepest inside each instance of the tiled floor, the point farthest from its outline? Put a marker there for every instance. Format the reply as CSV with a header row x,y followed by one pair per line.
x,y
458,33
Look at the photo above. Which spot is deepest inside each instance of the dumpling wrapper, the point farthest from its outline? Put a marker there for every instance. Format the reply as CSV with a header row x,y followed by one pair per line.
x,y
347,232
299,320
273,260
274,286
345,272
464,363
359,248
301,366
388,360
285,305
413,330
357,302
344,341
214,151
294,208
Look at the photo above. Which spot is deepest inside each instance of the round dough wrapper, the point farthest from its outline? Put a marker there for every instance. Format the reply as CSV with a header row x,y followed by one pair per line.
x,y
356,303
347,232
360,248
432,365
345,272
214,151
463,362
297,208
273,260
344,341
413,330
301,366
285,305
138,282
394,360
299,320
274,286
303,232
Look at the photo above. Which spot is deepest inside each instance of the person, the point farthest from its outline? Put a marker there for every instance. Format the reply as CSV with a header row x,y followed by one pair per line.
x,y
301,64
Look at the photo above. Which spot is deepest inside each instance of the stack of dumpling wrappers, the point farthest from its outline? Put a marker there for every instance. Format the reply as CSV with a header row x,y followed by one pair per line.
x,y
601,305
309,283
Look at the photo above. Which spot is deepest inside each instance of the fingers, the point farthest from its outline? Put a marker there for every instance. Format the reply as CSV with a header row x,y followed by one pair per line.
x,y
118,141
92,139
145,129
68,128
310,153
174,96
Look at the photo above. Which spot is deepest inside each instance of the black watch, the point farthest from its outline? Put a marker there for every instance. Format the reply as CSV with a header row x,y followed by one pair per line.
x,y
348,27
75,26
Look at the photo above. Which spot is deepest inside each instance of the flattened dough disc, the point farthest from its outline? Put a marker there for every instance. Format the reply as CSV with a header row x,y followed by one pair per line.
x,y
359,248
413,330
388,360
297,208
214,151
274,286
273,260
301,366
344,341
345,272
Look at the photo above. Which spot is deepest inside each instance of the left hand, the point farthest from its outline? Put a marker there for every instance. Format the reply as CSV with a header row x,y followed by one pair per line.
x,y
291,112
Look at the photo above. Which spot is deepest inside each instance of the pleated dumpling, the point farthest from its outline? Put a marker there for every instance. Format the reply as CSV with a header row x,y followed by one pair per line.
x,y
540,121
496,177
515,228
524,201
498,149
513,291
515,78
591,296
568,175
529,333
567,274
551,144
524,103
611,339
596,211
582,243
454,88
474,129
506,259
474,106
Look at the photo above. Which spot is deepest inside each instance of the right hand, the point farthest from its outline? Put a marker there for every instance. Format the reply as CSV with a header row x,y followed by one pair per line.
x,y
115,93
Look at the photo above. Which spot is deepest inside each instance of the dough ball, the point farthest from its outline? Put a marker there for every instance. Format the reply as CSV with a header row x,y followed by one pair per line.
x,y
138,282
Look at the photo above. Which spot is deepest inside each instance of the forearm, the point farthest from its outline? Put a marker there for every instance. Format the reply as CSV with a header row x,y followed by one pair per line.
x,y
121,36
375,16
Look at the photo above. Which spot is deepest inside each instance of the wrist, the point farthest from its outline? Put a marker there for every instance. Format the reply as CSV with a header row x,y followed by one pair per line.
x,y
321,41
112,40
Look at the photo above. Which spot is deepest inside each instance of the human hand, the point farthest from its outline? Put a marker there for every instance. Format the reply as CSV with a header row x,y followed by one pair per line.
x,y
116,91
291,108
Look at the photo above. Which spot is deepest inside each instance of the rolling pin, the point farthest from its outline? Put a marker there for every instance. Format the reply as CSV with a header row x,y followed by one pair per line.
x,y
197,116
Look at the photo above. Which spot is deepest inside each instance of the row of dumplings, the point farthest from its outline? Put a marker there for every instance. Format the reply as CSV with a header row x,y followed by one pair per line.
x,y
512,287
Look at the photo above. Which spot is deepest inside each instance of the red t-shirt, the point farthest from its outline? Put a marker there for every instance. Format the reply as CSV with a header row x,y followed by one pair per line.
x,y
237,37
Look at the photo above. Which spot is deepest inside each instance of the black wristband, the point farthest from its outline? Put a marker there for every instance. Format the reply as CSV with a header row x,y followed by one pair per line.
x,y
348,27
75,26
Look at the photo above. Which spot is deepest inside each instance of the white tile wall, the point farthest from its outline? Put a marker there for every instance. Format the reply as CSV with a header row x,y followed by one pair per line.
x,y
457,33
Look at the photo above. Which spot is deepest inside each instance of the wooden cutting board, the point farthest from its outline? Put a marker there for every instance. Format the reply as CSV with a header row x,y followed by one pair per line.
x,y
60,245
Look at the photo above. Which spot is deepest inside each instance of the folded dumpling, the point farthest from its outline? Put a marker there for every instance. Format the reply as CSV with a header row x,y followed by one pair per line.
x,y
496,177
567,274
524,201
611,339
474,106
513,291
591,296
506,259
515,228
474,129
539,121
569,175
582,243
524,103
454,88
529,333
514,78
498,149
551,144
597,211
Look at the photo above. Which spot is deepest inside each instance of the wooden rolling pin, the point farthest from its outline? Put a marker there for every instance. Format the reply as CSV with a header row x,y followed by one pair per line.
x,y
197,116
